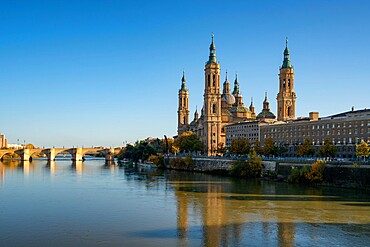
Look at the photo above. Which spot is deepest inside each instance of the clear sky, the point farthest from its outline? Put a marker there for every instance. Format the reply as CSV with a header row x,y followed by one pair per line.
x,y
108,72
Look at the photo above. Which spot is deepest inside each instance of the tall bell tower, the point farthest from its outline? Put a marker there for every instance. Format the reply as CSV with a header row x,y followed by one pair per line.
x,y
183,110
286,97
212,102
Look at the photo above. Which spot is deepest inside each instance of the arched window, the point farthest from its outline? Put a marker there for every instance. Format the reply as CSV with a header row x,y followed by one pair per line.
x,y
184,120
289,111
288,83
209,80
214,108
214,80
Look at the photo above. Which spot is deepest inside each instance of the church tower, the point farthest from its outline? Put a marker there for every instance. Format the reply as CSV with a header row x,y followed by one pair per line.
x,y
212,102
286,97
183,111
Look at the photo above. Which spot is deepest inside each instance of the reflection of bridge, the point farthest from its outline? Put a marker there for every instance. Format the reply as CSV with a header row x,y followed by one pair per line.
x,y
51,153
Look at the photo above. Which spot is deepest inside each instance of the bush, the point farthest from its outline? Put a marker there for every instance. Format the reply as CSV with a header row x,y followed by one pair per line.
x,y
157,159
316,172
306,174
250,168
298,175
183,164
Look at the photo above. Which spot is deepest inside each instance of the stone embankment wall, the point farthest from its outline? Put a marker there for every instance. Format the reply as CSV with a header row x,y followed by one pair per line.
x,y
210,165
338,175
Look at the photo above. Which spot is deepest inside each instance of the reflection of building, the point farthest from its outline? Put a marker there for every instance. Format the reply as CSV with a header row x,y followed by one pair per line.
x,y
3,141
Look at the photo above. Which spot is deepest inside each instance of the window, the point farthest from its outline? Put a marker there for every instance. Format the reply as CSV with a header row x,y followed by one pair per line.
x,y
214,109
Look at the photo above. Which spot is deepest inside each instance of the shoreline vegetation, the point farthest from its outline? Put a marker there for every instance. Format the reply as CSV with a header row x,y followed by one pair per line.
x,y
246,160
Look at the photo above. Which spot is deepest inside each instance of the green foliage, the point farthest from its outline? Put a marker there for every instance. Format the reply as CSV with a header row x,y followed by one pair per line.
x,y
140,151
362,150
269,148
306,149
189,142
182,164
298,175
281,150
328,150
316,172
157,159
221,149
307,174
250,168
257,147
240,146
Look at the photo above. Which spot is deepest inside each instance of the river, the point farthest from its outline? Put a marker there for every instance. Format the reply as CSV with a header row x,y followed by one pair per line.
x,y
92,204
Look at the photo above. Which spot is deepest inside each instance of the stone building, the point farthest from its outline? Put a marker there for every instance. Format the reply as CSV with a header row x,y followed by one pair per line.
x,y
345,130
220,108
3,141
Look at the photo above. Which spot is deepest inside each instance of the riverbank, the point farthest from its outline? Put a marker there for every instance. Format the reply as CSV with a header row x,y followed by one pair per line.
x,y
343,176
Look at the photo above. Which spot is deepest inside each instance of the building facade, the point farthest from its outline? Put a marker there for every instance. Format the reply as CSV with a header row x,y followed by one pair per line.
x,y
220,108
3,141
345,130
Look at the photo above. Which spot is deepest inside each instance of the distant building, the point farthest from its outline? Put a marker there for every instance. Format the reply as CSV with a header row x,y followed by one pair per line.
x,y
15,146
3,141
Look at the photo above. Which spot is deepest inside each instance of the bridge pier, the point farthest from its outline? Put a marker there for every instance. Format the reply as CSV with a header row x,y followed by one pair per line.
x,y
25,156
50,153
77,154
109,156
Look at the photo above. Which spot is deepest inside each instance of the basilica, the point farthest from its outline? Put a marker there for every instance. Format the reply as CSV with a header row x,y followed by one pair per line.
x,y
222,108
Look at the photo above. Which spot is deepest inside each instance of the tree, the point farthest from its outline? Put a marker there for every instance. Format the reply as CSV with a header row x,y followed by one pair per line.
x,y
221,149
189,142
140,151
328,150
281,150
240,146
247,168
362,150
306,149
269,148
257,147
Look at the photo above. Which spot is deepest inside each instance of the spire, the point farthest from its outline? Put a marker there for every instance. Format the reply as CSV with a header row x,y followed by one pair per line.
x,y
183,84
286,62
212,52
226,86
236,85
251,105
266,103
183,76
196,115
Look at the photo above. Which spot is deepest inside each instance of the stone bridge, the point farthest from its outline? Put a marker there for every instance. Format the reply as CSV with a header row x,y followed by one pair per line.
x,y
51,153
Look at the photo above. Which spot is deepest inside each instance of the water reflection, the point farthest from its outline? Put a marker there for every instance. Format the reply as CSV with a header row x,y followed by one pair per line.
x,y
271,211
93,203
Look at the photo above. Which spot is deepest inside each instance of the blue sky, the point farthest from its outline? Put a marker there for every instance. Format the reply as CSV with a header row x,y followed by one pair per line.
x,y
107,72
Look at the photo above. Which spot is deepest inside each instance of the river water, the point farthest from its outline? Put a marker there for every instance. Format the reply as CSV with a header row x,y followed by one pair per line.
x,y
92,204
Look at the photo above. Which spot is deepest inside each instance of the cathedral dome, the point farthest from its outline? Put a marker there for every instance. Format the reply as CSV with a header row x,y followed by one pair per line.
x,y
228,98
266,115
